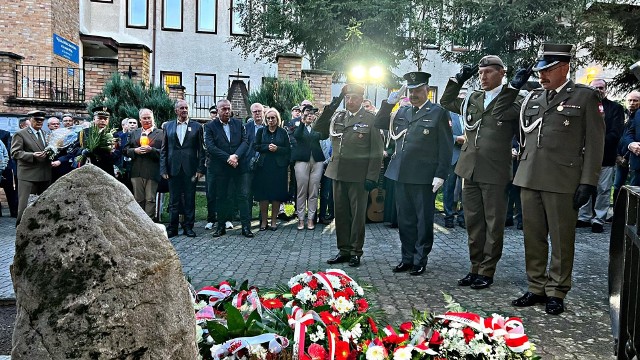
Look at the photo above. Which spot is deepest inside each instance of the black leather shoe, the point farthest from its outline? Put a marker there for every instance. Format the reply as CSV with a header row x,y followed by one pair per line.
x,y
247,232
597,228
529,299
467,280
582,224
339,259
519,226
461,224
508,222
189,233
482,282
354,261
417,270
555,306
402,267
172,233
219,232
448,223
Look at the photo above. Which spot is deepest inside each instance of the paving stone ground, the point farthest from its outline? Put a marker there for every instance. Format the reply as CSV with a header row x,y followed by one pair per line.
x,y
272,257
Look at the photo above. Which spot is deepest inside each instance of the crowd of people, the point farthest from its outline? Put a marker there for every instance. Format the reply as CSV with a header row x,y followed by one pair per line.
x,y
538,156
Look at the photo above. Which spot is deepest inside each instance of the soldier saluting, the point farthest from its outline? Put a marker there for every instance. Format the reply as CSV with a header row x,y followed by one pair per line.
x,y
562,141
354,167
424,144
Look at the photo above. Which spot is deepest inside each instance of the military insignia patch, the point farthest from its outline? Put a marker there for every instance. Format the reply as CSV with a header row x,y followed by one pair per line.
x,y
566,123
425,131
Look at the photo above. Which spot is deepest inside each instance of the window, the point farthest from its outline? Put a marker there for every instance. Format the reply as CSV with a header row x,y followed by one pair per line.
x,y
206,16
205,93
239,8
172,15
433,94
170,78
137,16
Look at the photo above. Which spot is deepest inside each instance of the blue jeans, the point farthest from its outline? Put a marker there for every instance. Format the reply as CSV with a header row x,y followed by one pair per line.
x,y
448,201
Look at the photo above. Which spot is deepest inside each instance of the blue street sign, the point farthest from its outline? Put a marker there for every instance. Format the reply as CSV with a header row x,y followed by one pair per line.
x,y
66,49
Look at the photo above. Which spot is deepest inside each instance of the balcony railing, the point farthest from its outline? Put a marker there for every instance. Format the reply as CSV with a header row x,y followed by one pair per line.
x,y
58,84
624,274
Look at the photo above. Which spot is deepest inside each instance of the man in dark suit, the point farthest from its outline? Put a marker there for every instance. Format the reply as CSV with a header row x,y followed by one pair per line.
x,y
624,154
424,144
354,168
34,168
143,148
594,214
226,143
7,181
182,163
251,127
449,188
562,132
484,164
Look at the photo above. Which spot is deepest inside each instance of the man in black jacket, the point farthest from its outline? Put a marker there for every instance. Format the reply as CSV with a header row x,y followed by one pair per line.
x,y
614,121
225,141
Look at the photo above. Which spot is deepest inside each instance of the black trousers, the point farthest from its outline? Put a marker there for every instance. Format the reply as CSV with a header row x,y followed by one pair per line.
x,y
182,186
416,204
225,197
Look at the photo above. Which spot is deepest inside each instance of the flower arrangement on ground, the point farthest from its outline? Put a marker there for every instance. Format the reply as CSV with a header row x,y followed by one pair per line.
x,y
326,316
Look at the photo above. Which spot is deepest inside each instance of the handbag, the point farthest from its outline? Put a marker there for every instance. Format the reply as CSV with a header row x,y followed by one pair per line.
x,y
254,164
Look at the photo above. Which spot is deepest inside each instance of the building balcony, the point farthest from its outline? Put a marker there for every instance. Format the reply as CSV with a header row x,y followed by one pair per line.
x,y
48,84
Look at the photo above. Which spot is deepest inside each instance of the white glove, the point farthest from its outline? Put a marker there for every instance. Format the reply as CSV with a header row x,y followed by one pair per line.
x,y
395,96
437,183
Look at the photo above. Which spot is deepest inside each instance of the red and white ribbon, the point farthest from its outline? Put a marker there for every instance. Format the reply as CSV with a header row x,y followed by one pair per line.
x,y
299,320
276,344
515,337
216,294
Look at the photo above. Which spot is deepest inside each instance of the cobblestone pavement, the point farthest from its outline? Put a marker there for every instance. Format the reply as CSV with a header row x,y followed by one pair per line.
x,y
272,257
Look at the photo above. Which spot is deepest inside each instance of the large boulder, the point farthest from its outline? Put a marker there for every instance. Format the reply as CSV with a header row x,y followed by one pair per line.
x,y
95,278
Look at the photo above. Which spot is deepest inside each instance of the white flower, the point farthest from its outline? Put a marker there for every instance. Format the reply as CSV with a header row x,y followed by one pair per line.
x,y
335,281
403,353
376,352
342,305
345,334
320,333
209,340
306,295
199,332
199,305
313,337
258,351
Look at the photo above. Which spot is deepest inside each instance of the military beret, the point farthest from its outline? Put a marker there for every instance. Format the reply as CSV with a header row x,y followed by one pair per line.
x,y
101,111
353,89
491,60
552,54
37,114
416,79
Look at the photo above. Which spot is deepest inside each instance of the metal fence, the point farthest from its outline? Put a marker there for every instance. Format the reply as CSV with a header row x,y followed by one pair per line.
x,y
60,84
624,274
199,105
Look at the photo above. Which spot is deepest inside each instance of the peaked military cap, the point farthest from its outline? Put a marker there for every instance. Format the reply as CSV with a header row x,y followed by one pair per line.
x,y
37,114
295,108
213,108
491,60
552,54
353,89
101,111
416,79
311,109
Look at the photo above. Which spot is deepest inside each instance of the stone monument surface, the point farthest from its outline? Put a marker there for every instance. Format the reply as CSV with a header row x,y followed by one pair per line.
x,y
95,278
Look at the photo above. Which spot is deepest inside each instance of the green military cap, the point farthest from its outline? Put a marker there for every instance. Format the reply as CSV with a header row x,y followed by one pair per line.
x,y
491,60
552,54
37,115
416,79
101,111
353,89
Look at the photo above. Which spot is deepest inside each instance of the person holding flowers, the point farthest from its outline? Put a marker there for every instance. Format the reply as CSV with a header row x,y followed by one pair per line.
x,y
96,143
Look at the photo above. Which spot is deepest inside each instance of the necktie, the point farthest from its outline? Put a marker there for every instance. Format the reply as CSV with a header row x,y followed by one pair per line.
x,y
39,134
416,109
550,95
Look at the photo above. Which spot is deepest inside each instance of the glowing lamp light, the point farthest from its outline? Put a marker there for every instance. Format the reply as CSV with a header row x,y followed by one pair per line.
x,y
144,140
375,72
358,73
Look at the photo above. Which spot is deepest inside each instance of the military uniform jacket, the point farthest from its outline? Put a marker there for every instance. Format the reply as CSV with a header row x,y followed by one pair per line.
x,y
357,152
485,156
30,168
425,150
568,150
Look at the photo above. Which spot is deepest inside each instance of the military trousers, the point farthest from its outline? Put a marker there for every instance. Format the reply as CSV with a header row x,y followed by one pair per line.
x,y
350,204
548,215
485,211
416,205
26,188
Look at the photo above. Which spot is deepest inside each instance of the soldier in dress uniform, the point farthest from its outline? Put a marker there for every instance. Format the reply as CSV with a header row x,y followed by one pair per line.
x,y
419,166
562,141
354,167
484,164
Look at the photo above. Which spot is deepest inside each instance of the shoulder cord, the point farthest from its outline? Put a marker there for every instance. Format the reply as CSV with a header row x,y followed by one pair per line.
x,y
468,127
392,134
530,128
332,122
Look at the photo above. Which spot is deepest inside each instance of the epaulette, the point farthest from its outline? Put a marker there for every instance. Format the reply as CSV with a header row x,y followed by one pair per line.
x,y
584,86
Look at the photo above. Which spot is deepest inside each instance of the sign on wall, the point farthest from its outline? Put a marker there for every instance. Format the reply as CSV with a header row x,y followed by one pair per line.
x,y
66,49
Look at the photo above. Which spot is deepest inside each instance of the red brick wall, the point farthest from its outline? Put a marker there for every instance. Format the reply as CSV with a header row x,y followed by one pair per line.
x,y
65,18
139,59
97,71
25,29
320,83
289,66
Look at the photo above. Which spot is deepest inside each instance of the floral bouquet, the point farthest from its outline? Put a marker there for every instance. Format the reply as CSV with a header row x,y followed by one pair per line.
x,y
95,140
61,139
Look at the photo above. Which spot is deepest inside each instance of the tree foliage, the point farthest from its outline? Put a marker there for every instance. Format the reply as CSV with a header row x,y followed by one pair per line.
x,y
126,97
282,95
